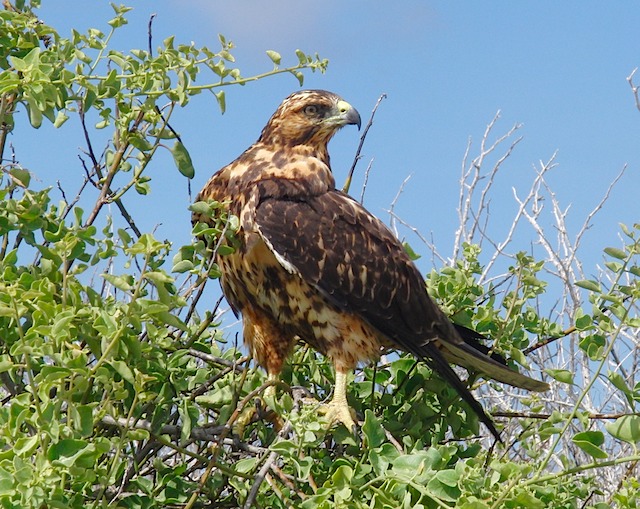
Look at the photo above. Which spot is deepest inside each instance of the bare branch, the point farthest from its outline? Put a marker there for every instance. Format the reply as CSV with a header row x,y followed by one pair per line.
x,y
533,415
347,183
150,33
430,245
634,88
472,215
264,469
598,207
393,205
366,180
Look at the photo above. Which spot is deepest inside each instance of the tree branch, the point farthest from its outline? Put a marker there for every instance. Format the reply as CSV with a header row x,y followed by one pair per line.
x,y
347,183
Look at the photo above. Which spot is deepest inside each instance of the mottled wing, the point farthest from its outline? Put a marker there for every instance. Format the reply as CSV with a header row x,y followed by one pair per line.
x,y
355,261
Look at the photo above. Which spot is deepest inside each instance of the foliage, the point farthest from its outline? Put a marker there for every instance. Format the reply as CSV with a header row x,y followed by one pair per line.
x,y
118,389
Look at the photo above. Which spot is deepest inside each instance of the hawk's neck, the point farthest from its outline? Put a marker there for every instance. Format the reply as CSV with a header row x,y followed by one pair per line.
x,y
304,165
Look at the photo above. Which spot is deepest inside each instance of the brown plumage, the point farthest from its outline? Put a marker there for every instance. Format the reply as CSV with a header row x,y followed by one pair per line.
x,y
314,264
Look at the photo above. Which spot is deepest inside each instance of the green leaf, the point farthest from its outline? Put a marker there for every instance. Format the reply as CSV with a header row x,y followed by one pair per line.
x,y
201,207
589,442
25,446
123,370
409,464
151,307
621,384
274,56
284,447
183,160
625,230
473,503
61,324
299,76
222,100
124,236
626,428
373,430
120,282
158,277
561,375
409,250
61,118
590,285
245,465
35,114
182,266
302,57
21,175
80,453
18,64
616,253
140,142
173,320
5,361
381,457
67,448
583,322
445,485
84,420
593,345
189,415
517,355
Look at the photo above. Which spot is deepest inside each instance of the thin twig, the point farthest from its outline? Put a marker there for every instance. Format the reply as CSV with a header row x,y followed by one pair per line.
x,y
150,33
366,180
471,214
393,205
430,245
541,416
219,361
634,88
347,183
259,478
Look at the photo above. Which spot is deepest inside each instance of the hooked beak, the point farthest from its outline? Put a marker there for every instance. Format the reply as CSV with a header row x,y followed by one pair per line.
x,y
347,114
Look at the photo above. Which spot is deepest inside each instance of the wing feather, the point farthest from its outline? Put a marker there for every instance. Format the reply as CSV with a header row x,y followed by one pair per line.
x,y
356,262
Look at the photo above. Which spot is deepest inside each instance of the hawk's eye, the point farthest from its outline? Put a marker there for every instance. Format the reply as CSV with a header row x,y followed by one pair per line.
x,y
311,110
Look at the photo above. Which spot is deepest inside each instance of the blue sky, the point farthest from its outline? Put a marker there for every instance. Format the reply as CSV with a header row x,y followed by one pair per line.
x,y
559,68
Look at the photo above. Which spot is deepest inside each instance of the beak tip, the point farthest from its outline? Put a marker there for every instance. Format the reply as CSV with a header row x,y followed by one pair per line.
x,y
353,117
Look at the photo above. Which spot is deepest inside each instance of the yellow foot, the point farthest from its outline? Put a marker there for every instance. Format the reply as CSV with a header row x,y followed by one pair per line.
x,y
339,412
246,417
257,411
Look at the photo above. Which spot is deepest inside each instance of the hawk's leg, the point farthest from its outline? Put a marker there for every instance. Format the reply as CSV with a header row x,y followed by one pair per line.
x,y
338,410
271,390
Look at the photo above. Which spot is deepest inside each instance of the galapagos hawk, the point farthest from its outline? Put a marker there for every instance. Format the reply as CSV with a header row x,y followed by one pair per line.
x,y
313,264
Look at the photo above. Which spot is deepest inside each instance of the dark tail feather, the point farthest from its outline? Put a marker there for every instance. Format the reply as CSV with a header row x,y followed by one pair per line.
x,y
472,338
472,355
440,365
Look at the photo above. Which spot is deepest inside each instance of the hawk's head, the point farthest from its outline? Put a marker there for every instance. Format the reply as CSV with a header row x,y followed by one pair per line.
x,y
308,117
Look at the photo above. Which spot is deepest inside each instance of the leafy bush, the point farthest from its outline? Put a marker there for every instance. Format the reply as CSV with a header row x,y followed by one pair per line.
x,y
118,387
